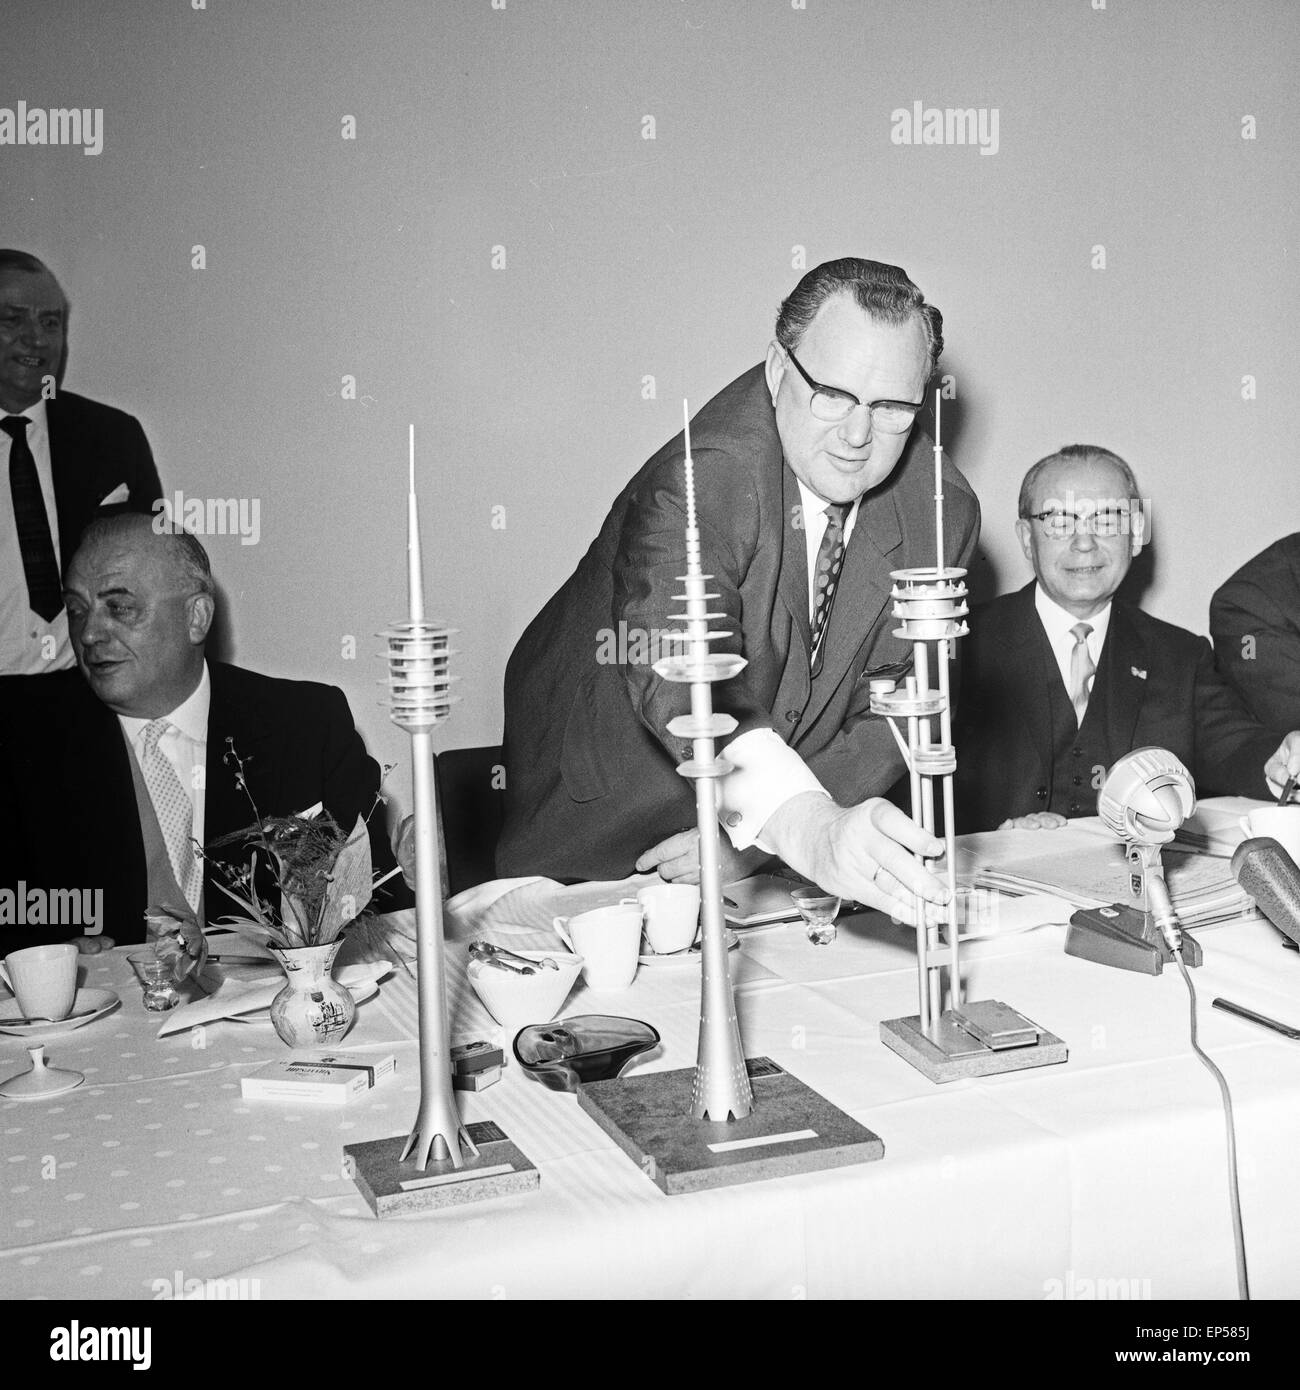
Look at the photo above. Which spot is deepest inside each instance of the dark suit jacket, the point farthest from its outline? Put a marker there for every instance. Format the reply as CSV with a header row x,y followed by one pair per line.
x,y
1010,762
68,816
591,767
94,449
1255,623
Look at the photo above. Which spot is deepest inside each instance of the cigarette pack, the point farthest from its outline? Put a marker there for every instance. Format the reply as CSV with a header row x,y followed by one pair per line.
x,y
475,1080
471,1057
330,1078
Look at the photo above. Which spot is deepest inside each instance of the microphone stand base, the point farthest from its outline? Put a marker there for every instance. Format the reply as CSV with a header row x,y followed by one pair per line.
x,y
1125,938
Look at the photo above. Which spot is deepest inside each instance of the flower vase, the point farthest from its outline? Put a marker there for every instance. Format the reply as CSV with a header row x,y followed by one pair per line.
x,y
313,1009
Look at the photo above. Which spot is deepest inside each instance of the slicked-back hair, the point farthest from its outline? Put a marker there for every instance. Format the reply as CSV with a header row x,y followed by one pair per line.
x,y
11,259
1074,453
185,551
883,291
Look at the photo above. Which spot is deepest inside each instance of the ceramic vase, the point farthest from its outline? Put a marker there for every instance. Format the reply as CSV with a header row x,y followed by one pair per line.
x,y
313,1009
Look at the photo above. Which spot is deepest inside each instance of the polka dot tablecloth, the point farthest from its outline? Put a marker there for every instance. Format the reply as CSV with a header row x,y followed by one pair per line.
x,y
156,1164
155,1175
155,1178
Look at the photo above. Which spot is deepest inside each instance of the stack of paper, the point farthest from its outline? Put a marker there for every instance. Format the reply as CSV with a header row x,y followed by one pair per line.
x,y
1089,869
1215,826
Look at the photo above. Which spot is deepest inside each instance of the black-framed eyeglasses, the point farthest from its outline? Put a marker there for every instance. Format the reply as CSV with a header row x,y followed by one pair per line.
x,y
1101,521
829,403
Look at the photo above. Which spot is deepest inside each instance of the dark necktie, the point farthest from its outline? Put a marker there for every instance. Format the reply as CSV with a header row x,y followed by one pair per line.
x,y
44,588
830,560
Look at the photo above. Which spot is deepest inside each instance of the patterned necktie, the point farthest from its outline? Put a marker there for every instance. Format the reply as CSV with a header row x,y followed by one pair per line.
x,y
1082,669
830,560
172,807
44,588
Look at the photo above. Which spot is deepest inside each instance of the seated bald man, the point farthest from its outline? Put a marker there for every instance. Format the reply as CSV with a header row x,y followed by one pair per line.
x,y
1061,679
90,775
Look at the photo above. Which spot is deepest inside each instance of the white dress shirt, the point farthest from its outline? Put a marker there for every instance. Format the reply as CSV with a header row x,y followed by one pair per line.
x,y
1057,624
25,637
184,745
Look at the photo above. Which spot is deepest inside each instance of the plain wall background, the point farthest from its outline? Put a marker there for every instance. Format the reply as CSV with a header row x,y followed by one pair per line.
x,y
523,127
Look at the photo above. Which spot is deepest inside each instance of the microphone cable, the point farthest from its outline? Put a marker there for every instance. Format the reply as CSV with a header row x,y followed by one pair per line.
x,y
1234,1191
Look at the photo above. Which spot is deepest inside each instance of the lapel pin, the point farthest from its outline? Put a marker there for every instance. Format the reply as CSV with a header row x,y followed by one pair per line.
x,y
1141,675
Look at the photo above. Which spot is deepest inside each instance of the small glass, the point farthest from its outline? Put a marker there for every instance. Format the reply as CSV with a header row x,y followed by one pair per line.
x,y
819,911
160,992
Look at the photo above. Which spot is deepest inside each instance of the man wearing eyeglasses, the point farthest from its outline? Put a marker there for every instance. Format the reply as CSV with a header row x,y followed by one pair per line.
x,y
812,484
1061,679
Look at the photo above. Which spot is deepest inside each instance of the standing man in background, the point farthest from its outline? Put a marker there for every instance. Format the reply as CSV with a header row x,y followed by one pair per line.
x,y
66,460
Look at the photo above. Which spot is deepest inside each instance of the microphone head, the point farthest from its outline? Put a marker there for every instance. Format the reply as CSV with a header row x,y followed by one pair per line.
x,y
1147,795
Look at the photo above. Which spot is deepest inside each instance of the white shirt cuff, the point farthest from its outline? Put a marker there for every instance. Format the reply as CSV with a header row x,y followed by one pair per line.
x,y
766,773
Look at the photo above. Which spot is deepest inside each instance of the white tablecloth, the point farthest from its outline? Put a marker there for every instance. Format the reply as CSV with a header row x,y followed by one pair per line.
x,y
1111,1167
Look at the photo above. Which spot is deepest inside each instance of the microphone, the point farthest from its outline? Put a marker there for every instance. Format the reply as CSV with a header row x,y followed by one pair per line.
x,y
1146,796
1268,873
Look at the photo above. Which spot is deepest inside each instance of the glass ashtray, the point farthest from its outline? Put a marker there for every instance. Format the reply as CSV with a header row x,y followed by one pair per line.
x,y
589,1047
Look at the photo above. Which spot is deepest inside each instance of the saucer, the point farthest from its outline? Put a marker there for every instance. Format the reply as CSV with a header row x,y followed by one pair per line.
x,y
89,1005
693,955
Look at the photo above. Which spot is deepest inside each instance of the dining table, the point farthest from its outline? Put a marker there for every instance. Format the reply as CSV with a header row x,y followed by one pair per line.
x,y
1103,1176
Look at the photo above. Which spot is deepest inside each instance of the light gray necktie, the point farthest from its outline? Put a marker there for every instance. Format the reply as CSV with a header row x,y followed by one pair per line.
x,y
174,811
1082,669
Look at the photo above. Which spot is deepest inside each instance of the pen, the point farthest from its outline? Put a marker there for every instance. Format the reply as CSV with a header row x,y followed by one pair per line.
x,y
1229,1007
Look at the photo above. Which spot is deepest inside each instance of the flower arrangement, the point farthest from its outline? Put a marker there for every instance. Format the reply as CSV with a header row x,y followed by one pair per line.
x,y
322,873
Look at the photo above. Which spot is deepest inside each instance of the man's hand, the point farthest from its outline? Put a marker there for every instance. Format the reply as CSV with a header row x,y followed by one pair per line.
x,y
1284,764
404,853
859,853
177,939
92,945
1035,820
678,859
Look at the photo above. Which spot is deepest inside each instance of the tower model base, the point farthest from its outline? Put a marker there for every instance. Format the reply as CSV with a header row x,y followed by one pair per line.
x,y
391,1186
791,1129
981,1039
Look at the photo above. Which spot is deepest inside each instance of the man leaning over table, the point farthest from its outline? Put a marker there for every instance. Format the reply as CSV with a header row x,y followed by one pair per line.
x,y
1060,679
811,486
107,781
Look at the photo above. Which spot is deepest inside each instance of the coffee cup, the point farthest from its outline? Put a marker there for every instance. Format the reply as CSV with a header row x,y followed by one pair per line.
x,y
1280,823
609,941
672,916
43,979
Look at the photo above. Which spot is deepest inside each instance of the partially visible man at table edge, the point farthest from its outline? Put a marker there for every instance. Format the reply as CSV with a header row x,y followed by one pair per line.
x,y
1255,624
1060,679
107,781
811,486
67,460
